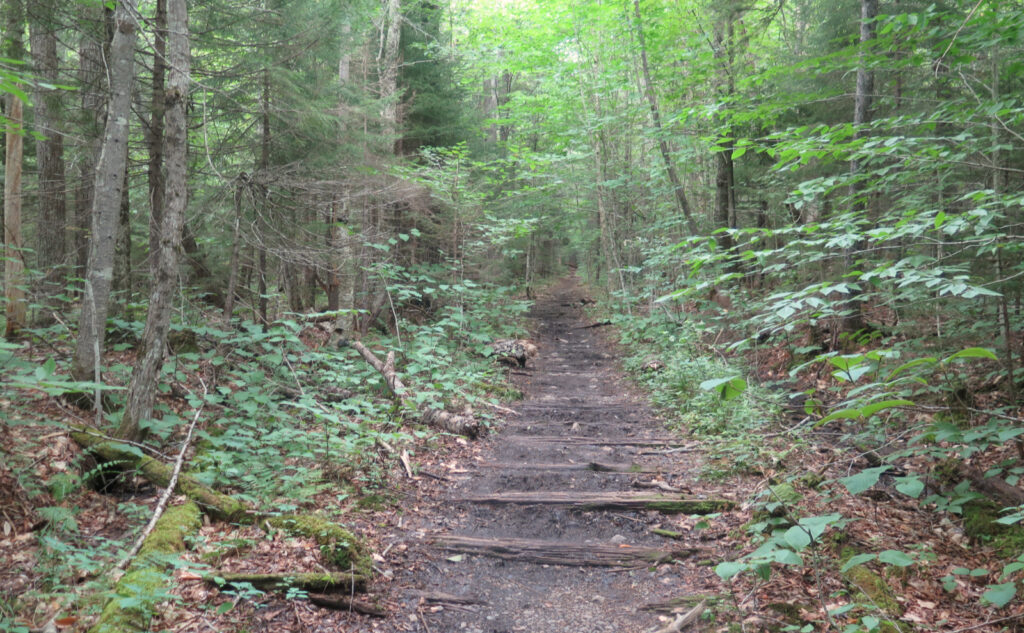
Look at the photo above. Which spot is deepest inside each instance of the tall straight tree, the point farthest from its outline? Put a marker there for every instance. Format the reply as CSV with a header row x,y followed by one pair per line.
x,y
853,320
14,263
51,228
142,388
107,190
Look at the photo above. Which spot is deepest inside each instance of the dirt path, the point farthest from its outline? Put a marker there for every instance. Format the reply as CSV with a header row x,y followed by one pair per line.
x,y
514,543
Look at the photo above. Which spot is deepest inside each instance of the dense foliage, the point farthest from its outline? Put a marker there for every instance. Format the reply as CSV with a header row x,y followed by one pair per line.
x,y
807,205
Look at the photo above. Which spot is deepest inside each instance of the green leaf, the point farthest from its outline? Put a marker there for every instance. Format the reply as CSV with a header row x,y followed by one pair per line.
x,y
863,480
817,525
797,537
895,557
1000,595
870,409
859,559
727,388
842,414
729,569
911,486
870,622
788,557
972,352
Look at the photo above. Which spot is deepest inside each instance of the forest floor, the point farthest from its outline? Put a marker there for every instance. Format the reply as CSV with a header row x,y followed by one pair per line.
x,y
504,546
580,512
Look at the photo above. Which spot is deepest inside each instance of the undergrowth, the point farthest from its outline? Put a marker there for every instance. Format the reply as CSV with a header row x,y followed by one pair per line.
x,y
288,422
666,357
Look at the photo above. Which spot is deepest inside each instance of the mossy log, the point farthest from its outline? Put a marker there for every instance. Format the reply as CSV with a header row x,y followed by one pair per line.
x,y
131,608
215,504
666,504
320,582
339,546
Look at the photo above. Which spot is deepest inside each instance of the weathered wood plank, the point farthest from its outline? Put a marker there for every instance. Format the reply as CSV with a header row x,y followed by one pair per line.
x,y
668,504
562,553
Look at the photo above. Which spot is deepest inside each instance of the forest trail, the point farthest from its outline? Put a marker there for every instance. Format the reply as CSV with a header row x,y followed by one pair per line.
x,y
514,543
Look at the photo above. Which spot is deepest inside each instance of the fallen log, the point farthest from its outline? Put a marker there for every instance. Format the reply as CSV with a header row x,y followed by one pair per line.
x,y
344,603
684,620
319,582
560,553
460,424
667,504
147,574
217,505
338,546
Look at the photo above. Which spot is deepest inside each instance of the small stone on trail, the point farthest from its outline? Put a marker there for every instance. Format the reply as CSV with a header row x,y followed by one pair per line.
x,y
618,539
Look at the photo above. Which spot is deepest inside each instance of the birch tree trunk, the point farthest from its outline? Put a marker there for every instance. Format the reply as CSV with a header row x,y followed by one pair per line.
x,y
142,388
109,180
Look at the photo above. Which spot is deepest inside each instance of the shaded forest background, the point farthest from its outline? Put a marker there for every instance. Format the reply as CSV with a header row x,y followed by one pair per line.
x,y
811,203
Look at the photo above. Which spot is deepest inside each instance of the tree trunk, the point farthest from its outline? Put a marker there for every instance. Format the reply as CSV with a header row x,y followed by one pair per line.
x,y
391,34
109,180
682,201
91,70
853,320
14,264
154,133
263,207
122,283
725,181
51,240
142,388
236,245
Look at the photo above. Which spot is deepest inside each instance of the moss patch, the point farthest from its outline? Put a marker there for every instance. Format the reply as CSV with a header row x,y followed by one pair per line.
x,y
980,525
145,584
874,590
338,545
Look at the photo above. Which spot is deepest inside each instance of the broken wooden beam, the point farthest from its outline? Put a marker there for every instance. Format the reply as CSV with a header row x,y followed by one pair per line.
x,y
562,553
666,504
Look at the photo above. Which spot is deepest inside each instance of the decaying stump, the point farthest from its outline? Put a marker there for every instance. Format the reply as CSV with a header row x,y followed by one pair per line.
x,y
514,351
